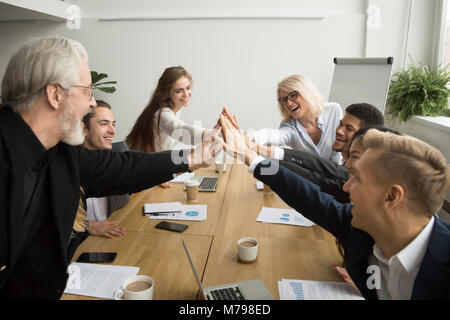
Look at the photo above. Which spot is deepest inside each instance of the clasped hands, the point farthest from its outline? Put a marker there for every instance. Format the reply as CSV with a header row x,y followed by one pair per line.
x,y
228,135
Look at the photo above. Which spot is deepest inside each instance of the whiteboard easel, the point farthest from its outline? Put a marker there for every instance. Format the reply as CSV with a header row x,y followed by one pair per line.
x,y
357,80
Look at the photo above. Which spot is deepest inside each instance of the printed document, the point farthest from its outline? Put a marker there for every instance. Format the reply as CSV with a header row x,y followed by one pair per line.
x,y
315,290
164,207
283,216
96,280
187,212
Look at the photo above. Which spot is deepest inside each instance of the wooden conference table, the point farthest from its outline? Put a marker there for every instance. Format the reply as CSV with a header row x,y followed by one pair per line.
x,y
285,251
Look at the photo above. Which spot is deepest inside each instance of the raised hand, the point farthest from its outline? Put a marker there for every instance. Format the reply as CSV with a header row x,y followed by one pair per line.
x,y
205,154
232,119
234,143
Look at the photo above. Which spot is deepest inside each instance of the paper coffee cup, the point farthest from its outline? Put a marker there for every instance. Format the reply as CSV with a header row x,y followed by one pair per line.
x,y
135,288
247,250
267,189
192,190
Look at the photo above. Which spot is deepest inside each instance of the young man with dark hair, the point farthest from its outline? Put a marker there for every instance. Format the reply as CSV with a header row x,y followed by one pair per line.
x,y
328,175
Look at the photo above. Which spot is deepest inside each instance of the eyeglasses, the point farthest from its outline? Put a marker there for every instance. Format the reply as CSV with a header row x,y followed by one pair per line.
x,y
89,93
292,96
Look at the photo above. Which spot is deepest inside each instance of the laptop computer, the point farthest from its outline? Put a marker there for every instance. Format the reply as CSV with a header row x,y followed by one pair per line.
x,y
208,184
245,290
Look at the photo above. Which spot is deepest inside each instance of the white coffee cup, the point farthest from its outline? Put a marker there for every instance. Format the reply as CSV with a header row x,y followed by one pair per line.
x,y
135,288
192,190
219,164
247,250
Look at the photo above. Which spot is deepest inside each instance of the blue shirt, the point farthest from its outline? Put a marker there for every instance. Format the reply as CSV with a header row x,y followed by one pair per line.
x,y
294,135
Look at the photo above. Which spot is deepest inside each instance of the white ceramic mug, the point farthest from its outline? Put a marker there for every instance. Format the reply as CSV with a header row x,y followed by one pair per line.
x,y
247,250
127,292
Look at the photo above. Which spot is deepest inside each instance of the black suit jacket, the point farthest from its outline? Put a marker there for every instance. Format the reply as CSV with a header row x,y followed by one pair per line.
x,y
103,172
433,279
328,175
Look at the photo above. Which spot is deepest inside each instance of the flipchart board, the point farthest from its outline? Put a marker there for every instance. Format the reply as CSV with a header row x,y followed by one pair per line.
x,y
357,80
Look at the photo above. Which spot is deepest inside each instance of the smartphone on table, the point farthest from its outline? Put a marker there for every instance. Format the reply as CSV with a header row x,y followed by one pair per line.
x,y
171,226
97,257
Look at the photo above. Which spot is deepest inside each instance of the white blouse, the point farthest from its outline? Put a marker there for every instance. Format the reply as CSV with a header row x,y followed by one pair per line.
x,y
172,133
293,134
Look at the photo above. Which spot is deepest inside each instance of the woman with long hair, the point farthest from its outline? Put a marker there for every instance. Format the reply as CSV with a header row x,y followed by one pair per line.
x,y
158,126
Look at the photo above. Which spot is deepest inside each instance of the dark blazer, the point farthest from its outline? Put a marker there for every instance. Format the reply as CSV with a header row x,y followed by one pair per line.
x,y
328,175
103,172
433,279
117,202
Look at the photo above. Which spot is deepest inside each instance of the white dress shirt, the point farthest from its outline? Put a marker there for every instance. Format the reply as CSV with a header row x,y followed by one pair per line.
x,y
399,272
171,128
97,208
294,135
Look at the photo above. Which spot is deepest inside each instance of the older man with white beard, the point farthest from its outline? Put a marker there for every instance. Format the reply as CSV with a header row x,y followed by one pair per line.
x,y
46,91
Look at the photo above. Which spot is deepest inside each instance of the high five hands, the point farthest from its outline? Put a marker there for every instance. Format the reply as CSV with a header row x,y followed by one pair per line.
x,y
205,154
234,141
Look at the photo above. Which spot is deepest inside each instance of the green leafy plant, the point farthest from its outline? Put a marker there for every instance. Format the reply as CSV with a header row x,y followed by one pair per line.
x,y
96,84
419,90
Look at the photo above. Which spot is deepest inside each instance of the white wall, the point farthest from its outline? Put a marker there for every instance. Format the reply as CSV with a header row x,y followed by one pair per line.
x,y
234,63
407,29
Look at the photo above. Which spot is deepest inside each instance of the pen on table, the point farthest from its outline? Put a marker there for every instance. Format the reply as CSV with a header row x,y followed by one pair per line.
x,y
164,213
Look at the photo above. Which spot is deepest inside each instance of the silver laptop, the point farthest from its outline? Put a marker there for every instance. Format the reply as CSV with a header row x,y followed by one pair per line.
x,y
209,184
246,290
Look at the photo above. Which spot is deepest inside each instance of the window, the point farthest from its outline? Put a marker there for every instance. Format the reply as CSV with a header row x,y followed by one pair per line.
x,y
446,53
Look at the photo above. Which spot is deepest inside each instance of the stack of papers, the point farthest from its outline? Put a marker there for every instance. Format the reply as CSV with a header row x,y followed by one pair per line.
x,y
315,290
175,211
283,216
95,280
162,208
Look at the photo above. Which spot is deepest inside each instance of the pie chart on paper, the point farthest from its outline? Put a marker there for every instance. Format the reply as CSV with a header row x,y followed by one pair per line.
x,y
192,213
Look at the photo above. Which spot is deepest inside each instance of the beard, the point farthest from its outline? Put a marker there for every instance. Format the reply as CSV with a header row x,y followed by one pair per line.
x,y
71,126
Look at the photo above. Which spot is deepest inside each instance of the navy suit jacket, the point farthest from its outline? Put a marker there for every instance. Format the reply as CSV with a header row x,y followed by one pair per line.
x,y
433,279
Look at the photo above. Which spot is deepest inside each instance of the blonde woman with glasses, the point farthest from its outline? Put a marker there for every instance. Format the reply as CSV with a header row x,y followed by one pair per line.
x,y
309,124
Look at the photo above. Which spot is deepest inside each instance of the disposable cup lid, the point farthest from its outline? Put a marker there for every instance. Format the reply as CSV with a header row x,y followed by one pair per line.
x,y
191,183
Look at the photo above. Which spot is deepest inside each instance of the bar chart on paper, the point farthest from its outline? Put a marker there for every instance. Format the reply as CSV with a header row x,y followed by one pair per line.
x,y
316,290
297,287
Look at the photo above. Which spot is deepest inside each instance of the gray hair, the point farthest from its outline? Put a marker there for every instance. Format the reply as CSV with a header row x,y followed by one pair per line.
x,y
38,63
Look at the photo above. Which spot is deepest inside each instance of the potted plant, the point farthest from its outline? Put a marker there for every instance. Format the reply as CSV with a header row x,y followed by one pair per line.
x,y
96,84
419,90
